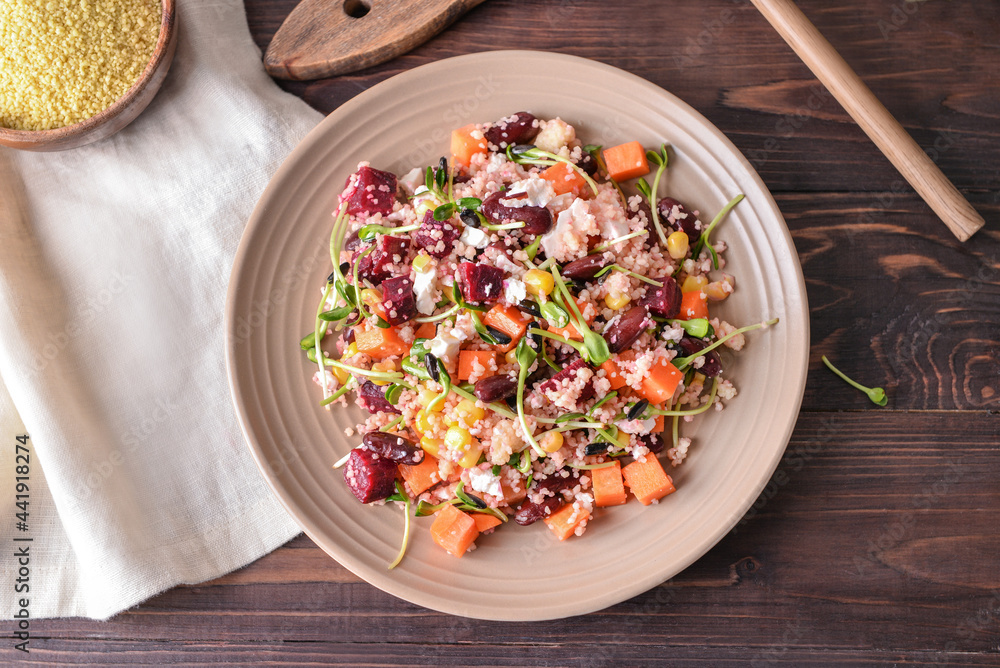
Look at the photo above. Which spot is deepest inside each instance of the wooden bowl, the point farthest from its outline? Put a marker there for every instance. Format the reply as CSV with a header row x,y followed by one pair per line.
x,y
122,112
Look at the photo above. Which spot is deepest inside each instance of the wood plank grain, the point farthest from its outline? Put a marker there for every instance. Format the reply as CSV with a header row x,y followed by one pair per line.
x,y
933,68
841,533
485,655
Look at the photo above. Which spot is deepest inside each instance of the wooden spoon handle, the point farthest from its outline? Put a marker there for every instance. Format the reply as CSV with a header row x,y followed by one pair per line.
x,y
858,100
324,38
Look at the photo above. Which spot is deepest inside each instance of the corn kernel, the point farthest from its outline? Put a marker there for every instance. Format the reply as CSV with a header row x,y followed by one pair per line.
x,y
717,291
692,283
551,441
457,438
340,374
471,457
617,301
698,378
511,356
469,411
430,446
351,351
426,396
371,297
538,282
677,245
384,366
422,263
424,423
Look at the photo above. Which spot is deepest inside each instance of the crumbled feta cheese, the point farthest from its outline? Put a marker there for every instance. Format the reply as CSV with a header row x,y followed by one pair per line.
x,y
412,180
540,192
473,236
423,288
636,426
514,291
445,345
568,239
485,482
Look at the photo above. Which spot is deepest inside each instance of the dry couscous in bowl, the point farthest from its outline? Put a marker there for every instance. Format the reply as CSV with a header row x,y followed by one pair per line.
x,y
516,572
74,73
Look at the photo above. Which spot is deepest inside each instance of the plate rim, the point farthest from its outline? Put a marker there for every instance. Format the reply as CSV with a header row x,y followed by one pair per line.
x,y
257,218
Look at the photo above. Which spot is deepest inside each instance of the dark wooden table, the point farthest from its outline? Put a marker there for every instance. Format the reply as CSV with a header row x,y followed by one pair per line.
x,y
878,539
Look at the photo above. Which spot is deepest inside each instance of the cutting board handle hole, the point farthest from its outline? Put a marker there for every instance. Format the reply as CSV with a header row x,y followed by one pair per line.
x,y
357,8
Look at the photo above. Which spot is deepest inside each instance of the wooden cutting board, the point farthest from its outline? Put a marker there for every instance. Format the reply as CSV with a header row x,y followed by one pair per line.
x,y
324,38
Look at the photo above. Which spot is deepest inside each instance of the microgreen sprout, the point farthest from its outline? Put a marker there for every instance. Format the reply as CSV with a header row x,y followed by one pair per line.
x,y
595,348
555,314
467,498
607,397
532,155
703,240
618,240
337,314
482,330
368,232
392,425
617,267
318,333
682,362
526,356
495,407
876,394
676,412
401,495
532,249
441,377
590,467
696,327
660,160
440,316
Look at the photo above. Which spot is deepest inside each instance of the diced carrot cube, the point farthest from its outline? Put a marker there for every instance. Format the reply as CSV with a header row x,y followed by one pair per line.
x,y
647,480
512,497
609,490
565,521
659,426
694,305
454,530
626,161
485,522
660,382
508,320
428,330
564,179
612,371
379,343
421,477
467,360
466,142
570,331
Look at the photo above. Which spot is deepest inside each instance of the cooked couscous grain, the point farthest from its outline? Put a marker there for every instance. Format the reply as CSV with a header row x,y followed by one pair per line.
x,y
62,62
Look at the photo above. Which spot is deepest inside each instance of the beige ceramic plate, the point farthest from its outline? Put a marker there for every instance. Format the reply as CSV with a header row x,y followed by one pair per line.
x,y
518,573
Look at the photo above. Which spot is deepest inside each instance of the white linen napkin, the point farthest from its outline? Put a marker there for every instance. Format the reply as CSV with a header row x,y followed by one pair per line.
x,y
114,264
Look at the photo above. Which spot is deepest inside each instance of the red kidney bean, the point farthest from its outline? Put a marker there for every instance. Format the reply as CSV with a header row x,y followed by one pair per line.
x,y
689,225
495,388
517,128
585,268
530,512
394,448
623,333
713,364
537,219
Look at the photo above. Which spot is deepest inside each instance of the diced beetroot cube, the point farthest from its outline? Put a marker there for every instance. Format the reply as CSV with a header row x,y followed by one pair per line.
x,y
437,237
370,191
398,301
481,283
373,398
369,476
569,371
389,250
665,301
